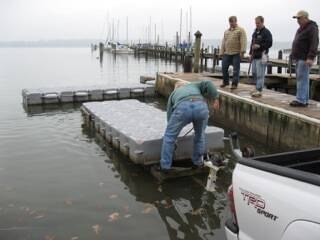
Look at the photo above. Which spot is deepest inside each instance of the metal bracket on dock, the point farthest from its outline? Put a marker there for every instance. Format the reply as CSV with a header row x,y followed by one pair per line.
x,y
215,163
246,152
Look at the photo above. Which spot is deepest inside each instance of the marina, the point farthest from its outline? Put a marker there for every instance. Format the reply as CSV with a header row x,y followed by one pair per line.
x,y
118,122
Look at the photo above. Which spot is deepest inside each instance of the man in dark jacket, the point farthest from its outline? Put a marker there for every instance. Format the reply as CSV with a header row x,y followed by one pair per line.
x,y
304,52
260,44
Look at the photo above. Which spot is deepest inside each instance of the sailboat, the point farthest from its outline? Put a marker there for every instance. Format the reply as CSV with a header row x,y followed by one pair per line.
x,y
120,48
110,38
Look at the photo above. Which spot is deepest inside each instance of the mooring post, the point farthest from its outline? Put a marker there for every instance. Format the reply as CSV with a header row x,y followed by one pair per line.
x,y
214,60
166,52
205,58
183,54
197,44
101,48
269,68
187,63
201,58
218,56
280,56
176,54
170,54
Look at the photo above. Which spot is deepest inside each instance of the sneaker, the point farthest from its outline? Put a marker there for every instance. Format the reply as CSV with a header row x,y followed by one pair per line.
x,y
256,94
224,85
233,86
296,103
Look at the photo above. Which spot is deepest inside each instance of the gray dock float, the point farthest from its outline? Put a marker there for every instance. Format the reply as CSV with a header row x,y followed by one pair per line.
x,y
136,129
37,96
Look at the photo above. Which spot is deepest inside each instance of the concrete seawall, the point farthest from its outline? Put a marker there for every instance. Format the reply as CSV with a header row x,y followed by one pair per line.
x,y
269,119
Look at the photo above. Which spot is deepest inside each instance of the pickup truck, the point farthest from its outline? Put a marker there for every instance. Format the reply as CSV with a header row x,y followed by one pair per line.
x,y
275,197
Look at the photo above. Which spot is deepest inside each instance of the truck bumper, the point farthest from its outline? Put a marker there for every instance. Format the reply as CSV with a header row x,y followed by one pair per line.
x,y
231,230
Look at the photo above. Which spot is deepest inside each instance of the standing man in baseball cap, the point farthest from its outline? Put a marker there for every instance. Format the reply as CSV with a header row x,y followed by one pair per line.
x,y
304,52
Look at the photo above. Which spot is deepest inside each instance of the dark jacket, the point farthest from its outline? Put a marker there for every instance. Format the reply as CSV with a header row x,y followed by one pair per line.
x,y
263,37
305,43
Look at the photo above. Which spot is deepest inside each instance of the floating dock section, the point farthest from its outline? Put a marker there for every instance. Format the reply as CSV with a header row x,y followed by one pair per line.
x,y
58,95
137,129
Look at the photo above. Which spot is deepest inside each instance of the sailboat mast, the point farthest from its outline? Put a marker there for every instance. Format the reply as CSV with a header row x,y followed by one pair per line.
x,y
187,28
155,33
112,29
150,36
190,27
127,31
118,28
180,25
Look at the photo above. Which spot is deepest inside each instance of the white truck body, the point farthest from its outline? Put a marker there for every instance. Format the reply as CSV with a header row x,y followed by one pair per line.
x,y
276,197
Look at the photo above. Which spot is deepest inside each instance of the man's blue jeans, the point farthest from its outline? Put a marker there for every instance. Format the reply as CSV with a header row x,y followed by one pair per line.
x,y
186,112
258,73
233,60
302,73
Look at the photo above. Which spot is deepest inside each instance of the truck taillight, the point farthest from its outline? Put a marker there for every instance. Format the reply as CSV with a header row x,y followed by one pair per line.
x,y
232,204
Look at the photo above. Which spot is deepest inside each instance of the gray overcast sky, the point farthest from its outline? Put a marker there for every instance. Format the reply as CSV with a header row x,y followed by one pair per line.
x,y
63,19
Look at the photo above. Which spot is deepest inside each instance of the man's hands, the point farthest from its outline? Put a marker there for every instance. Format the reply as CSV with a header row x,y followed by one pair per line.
x,y
255,46
309,62
241,55
215,104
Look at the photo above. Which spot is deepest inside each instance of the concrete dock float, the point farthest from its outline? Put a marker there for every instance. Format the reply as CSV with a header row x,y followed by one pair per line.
x,y
56,95
269,119
137,129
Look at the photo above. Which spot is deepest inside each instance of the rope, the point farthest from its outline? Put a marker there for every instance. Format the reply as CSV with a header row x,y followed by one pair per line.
x,y
176,144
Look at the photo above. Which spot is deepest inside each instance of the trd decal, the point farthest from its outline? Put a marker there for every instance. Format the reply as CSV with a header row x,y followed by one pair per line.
x,y
258,203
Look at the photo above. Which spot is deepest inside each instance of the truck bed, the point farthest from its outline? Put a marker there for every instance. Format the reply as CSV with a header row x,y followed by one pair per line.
x,y
300,165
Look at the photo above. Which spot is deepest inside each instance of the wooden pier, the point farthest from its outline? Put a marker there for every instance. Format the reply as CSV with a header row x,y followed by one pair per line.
x,y
211,54
270,119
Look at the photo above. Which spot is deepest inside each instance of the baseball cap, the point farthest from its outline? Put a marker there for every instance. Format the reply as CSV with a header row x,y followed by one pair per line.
x,y
301,13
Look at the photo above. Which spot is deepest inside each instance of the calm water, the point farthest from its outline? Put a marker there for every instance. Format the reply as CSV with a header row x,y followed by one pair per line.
x,y
59,181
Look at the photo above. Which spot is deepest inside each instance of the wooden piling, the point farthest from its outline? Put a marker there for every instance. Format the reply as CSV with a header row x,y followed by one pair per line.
x,y
269,68
101,49
280,56
201,58
214,60
206,59
198,35
176,54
